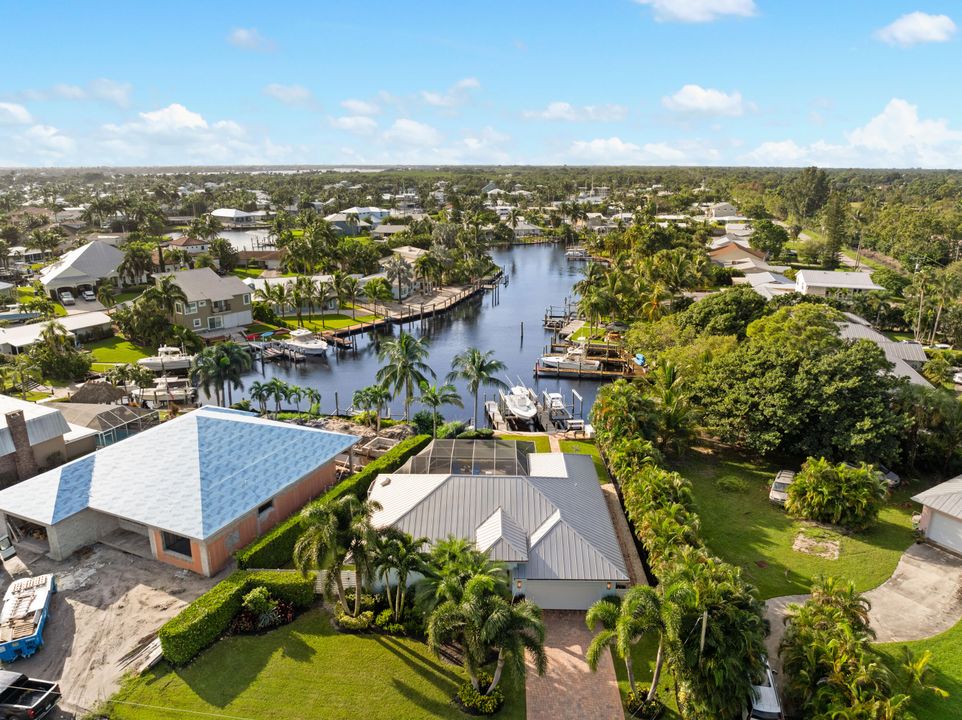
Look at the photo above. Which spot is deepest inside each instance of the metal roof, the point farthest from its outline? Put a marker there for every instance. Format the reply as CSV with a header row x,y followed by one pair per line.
x,y
837,279
24,335
84,265
945,497
43,423
562,513
205,284
898,353
192,475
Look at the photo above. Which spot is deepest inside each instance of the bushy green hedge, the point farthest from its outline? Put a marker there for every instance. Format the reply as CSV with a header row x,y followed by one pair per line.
x,y
275,548
203,621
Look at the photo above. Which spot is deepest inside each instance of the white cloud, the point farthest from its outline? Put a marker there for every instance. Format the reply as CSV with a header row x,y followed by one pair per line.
x,y
566,111
411,132
455,95
360,107
917,27
358,124
615,151
697,11
48,141
175,134
250,39
896,137
101,89
13,114
288,94
696,99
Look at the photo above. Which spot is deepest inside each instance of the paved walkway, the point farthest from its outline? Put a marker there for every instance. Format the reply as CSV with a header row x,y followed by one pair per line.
x,y
629,550
569,689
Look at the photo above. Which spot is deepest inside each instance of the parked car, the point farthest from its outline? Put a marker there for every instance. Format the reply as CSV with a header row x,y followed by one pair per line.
x,y
888,477
23,698
779,492
957,378
765,705
88,295
66,298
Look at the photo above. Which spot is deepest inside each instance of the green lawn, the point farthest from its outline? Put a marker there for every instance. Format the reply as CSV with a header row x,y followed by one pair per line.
x,y
128,295
589,332
116,349
947,673
307,671
247,273
584,447
329,321
541,442
26,293
744,528
643,662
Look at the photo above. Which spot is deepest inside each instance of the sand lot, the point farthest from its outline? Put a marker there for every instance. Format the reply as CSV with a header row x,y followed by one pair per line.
x,y
107,606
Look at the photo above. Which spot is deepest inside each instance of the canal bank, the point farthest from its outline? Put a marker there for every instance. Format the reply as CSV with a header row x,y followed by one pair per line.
x,y
507,320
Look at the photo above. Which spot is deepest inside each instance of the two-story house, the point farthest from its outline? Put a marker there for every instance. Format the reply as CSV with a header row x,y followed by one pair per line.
x,y
213,302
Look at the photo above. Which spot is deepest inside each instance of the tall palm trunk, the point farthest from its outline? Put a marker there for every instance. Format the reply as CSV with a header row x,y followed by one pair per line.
x,y
339,583
656,676
499,668
630,670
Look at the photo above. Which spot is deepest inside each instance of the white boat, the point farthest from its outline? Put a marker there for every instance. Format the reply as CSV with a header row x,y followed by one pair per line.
x,y
304,341
167,389
167,358
519,402
573,359
577,254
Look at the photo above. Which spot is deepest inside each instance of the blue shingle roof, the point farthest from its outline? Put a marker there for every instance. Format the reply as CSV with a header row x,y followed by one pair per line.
x,y
193,475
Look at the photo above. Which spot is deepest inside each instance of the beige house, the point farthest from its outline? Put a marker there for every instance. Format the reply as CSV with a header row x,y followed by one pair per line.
x,y
213,302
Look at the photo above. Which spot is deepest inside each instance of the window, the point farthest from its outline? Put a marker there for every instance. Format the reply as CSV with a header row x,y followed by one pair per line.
x,y
247,299
179,307
197,323
215,323
201,303
192,308
177,544
265,508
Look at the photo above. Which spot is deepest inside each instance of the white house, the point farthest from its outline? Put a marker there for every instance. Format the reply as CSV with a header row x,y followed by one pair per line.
x,y
232,218
718,211
372,215
829,283
942,514
543,514
82,268
81,327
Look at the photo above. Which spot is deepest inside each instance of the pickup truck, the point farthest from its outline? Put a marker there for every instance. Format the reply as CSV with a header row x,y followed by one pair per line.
x,y
23,698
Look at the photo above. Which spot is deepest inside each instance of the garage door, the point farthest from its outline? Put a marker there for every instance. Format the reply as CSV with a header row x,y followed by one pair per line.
x,y
564,594
946,531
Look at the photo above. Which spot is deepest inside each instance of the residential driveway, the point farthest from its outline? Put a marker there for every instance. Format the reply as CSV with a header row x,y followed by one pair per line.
x,y
109,605
922,598
83,306
569,689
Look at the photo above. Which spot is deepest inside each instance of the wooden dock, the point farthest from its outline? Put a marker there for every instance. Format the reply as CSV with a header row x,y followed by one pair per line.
x,y
582,374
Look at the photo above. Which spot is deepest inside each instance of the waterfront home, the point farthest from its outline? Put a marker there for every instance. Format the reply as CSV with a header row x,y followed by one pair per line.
x,y
194,246
738,254
328,303
834,283
345,224
82,269
214,303
81,327
235,219
542,514
36,437
525,229
265,259
187,492
371,215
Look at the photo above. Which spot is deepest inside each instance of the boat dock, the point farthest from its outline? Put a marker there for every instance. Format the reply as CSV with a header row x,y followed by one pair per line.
x,y
557,317
554,414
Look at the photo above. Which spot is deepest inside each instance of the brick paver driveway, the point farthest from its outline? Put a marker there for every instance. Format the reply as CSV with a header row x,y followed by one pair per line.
x,y
569,689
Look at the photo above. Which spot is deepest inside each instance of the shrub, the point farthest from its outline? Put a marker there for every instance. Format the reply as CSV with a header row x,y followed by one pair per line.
x,y
840,494
275,548
481,434
732,484
423,423
259,603
475,702
350,623
451,429
202,622
385,623
641,708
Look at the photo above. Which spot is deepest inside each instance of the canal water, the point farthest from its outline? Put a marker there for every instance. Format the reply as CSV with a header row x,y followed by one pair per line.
x,y
537,276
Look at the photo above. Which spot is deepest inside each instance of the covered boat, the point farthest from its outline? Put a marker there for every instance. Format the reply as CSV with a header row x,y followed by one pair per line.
x,y
167,358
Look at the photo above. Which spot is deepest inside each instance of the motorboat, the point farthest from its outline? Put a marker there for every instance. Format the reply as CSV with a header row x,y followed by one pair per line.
x,y
574,358
305,342
167,358
167,389
519,402
577,254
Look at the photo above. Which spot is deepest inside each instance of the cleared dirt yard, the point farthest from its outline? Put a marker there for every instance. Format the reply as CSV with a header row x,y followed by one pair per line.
x,y
108,605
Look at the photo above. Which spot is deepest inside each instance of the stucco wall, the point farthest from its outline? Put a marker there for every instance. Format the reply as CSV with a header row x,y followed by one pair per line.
x,y
77,531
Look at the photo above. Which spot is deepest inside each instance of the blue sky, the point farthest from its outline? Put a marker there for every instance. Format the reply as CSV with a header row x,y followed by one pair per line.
x,y
740,82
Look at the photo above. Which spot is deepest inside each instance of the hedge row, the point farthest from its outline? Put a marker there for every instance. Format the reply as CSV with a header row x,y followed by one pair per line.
x,y
207,618
275,548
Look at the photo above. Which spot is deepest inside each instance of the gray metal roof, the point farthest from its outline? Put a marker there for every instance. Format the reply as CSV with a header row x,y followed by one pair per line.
x,y
898,353
559,507
945,497
43,423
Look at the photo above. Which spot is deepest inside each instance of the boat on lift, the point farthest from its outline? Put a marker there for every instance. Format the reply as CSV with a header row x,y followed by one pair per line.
x,y
305,342
520,402
167,389
167,358
574,358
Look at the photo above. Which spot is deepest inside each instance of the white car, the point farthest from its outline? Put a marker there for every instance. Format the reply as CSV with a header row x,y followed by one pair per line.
x,y
66,298
88,295
766,704
957,378
779,492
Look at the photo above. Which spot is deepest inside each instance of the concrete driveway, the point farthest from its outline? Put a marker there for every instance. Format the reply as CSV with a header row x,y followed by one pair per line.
x,y
569,689
83,306
922,598
109,604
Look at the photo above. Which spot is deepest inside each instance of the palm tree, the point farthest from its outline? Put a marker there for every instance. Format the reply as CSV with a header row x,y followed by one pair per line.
x,y
221,365
398,270
476,368
185,338
105,295
406,367
324,290
514,629
435,396
278,390
166,293
350,289
402,554
260,392
376,290
314,398
452,563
